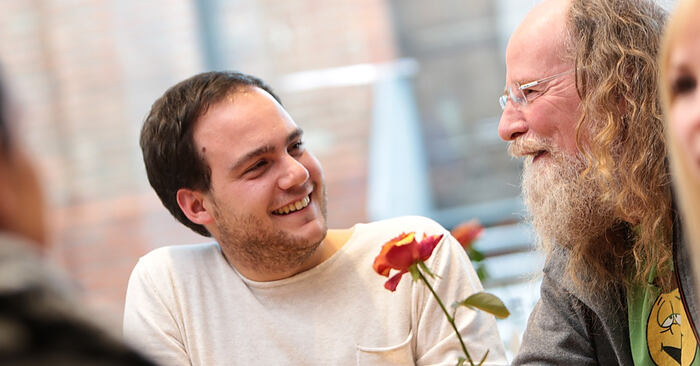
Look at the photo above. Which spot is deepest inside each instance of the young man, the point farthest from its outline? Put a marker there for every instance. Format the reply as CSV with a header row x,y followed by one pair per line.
x,y
277,287
581,108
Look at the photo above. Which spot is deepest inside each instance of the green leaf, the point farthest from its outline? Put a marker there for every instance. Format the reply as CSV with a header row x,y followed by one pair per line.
x,y
486,302
475,255
460,361
482,273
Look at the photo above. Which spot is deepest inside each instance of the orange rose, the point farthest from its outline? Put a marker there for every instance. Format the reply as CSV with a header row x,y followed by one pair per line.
x,y
467,232
402,252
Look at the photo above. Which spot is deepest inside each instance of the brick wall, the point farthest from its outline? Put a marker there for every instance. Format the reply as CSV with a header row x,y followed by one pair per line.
x,y
87,71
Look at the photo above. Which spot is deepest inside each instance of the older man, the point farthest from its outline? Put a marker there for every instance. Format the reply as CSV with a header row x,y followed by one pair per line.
x,y
581,108
277,287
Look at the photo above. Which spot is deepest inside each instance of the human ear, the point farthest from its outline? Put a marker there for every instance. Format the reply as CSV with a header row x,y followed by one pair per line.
x,y
192,205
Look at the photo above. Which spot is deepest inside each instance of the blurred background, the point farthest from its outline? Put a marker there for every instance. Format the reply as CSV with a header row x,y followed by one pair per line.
x,y
397,99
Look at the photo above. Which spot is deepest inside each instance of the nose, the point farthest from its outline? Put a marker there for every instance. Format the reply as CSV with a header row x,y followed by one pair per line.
x,y
294,173
511,124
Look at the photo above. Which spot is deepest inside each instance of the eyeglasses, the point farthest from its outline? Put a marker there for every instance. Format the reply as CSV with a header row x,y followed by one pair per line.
x,y
516,94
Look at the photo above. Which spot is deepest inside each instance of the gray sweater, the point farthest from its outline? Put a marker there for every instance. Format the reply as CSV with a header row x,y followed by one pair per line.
x,y
41,323
568,327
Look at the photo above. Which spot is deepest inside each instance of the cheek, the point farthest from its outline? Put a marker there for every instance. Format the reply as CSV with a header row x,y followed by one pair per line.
x,y
313,166
541,122
570,113
685,123
568,136
243,198
259,193
557,125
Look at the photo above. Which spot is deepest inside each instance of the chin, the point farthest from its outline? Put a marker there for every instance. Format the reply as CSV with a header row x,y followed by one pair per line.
x,y
318,230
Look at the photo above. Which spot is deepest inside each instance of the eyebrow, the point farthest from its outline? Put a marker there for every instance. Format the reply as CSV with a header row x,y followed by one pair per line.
x,y
294,135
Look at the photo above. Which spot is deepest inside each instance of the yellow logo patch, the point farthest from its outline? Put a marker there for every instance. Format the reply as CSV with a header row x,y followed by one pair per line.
x,y
669,337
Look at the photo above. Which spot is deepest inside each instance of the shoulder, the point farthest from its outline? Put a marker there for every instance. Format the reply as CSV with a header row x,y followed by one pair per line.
x,y
379,232
558,286
556,281
418,224
555,265
448,250
376,233
177,257
181,252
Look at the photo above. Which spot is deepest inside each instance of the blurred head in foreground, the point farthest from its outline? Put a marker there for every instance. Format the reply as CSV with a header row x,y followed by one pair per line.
x,y
680,72
21,199
41,321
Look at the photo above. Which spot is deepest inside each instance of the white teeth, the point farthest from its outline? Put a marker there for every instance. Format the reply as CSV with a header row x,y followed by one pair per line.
x,y
294,206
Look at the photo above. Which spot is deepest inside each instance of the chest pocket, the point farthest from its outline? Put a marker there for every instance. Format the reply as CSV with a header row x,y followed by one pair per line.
x,y
400,354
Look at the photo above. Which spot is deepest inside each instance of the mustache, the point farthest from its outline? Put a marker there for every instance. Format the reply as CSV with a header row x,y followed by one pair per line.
x,y
526,146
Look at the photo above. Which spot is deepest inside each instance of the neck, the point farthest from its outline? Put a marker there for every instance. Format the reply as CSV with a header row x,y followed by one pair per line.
x,y
334,240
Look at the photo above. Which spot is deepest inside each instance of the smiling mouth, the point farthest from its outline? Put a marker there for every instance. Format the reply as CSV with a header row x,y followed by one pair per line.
x,y
539,154
294,206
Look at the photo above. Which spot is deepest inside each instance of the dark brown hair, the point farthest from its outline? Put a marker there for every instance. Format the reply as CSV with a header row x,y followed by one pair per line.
x,y
169,153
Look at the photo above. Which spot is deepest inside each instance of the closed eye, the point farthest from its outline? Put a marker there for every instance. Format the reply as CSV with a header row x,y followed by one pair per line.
x,y
528,91
257,167
296,148
531,94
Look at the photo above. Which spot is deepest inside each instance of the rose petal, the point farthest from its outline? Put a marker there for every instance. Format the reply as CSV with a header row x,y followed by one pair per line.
x,y
402,256
404,238
381,265
393,282
427,245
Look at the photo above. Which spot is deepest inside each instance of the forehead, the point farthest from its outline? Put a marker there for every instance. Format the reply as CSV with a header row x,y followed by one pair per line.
x,y
686,47
537,47
242,121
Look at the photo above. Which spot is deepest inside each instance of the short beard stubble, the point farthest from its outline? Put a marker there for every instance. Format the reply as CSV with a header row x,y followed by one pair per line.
x,y
264,248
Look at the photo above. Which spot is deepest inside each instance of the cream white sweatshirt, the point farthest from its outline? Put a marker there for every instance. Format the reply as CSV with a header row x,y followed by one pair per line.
x,y
186,305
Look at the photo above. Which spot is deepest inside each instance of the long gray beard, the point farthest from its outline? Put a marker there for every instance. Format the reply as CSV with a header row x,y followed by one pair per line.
x,y
564,208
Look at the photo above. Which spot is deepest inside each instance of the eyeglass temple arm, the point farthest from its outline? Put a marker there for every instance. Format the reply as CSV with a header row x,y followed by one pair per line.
x,y
537,82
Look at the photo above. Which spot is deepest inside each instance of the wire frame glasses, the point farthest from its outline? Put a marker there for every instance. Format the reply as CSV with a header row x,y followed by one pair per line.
x,y
515,92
